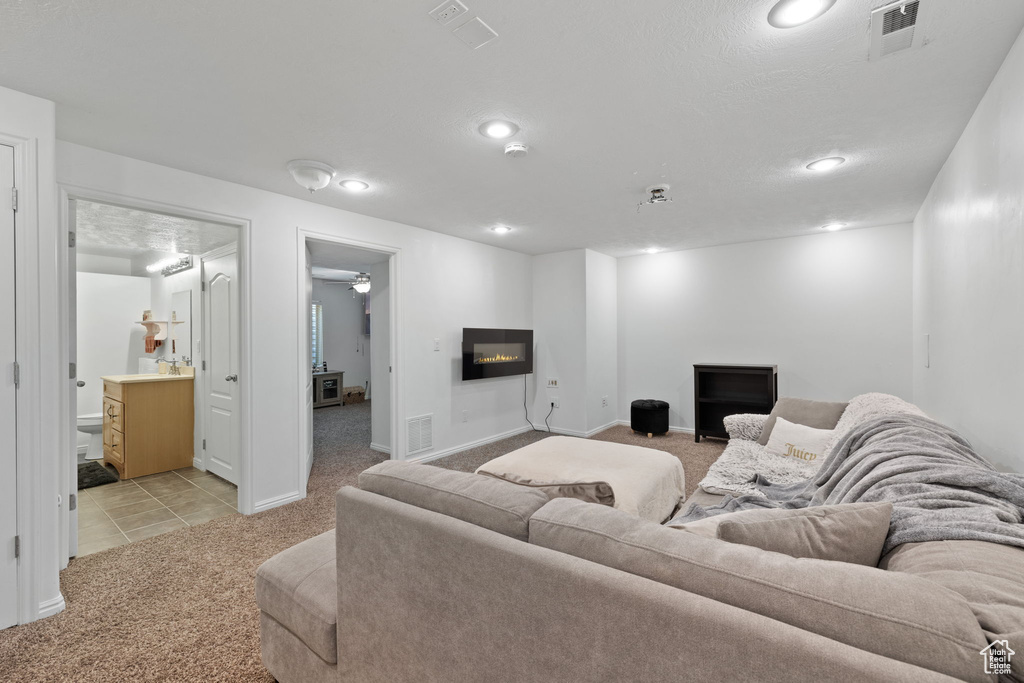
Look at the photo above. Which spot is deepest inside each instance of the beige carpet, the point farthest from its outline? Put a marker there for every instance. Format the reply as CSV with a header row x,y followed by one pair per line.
x,y
180,607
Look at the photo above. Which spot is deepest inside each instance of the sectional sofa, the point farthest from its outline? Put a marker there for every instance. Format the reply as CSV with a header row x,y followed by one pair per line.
x,y
434,575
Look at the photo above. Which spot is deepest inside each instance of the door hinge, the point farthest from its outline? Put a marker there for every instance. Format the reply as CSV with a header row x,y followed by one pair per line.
x,y
17,547
204,366
71,240
17,375
72,370
204,444
73,501
202,286
14,198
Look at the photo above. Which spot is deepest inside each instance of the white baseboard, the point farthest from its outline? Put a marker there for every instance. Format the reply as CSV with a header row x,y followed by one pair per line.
x,y
309,464
47,608
198,464
82,450
685,430
380,449
466,446
277,501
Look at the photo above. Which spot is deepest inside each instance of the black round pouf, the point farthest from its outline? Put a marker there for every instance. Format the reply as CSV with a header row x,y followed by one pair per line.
x,y
648,416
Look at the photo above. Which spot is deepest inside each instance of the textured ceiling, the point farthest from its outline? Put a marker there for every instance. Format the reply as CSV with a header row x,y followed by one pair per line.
x,y
611,97
108,230
320,273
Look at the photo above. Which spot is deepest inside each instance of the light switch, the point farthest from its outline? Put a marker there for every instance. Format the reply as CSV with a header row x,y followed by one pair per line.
x,y
437,343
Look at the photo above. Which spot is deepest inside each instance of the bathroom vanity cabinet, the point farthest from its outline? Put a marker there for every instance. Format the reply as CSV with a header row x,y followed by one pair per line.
x,y
148,423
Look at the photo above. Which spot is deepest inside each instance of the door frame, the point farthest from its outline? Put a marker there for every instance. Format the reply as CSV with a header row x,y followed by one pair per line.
x,y
69,191
204,376
394,342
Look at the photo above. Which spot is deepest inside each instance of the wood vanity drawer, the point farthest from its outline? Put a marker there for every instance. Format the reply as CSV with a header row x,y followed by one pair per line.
x,y
113,413
113,390
114,451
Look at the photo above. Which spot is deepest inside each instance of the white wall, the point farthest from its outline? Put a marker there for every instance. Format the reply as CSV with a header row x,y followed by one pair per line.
x,y
110,340
111,265
832,310
602,340
346,348
560,340
969,277
444,284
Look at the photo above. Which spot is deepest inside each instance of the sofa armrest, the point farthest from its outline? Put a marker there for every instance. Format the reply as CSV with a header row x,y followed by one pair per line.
x,y
746,426
426,597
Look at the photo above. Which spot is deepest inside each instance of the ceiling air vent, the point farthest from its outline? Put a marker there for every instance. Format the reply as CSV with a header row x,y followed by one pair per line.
x,y
419,433
893,28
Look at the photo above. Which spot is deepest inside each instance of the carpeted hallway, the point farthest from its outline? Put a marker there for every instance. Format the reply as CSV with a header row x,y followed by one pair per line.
x,y
180,606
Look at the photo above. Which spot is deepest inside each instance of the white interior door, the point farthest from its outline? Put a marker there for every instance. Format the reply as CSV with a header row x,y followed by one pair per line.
x,y
221,352
8,399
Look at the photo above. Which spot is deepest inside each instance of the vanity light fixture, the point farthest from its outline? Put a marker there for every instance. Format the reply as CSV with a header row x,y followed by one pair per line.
x,y
826,164
312,175
832,227
501,229
353,185
499,130
170,265
791,13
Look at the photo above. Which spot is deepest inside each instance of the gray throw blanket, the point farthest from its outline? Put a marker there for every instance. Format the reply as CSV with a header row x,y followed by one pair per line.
x,y
939,487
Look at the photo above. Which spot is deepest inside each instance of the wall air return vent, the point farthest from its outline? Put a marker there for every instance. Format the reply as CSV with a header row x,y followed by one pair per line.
x,y
419,434
893,28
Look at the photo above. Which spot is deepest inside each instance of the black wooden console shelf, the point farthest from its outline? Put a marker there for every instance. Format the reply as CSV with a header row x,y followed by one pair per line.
x,y
722,390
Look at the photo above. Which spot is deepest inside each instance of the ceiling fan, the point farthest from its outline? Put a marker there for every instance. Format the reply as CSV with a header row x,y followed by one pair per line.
x,y
360,283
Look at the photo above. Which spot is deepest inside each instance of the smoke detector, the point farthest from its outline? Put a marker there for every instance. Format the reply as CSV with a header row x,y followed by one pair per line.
x,y
516,149
658,196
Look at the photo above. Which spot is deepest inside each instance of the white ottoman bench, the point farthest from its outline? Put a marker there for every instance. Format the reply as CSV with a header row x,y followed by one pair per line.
x,y
646,482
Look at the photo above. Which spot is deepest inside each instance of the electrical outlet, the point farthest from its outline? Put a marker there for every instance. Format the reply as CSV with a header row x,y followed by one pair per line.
x,y
465,416
554,401
552,382
604,401
448,12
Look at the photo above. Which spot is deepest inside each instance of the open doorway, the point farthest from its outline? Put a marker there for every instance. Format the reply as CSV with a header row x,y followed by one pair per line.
x,y
154,339
347,335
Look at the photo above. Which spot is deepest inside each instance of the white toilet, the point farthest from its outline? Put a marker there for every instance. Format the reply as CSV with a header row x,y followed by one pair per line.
x,y
93,426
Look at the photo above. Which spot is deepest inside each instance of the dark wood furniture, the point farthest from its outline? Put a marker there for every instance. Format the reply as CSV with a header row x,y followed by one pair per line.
x,y
722,390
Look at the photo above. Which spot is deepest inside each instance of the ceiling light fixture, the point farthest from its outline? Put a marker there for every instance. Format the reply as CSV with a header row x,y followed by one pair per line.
x,y
832,227
826,164
353,185
361,283
791,13
312,175
501,229
652,250
499,130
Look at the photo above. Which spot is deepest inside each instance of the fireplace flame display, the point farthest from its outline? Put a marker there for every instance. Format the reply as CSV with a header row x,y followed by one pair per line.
x,y
496,358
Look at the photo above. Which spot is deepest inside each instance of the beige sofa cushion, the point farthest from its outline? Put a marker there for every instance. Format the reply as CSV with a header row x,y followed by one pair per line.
x,y
989,576
298,587
852,532
491,503
817,414
893,615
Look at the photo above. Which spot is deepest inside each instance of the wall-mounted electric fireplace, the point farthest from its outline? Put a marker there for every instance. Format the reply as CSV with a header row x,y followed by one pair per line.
x,y
496,353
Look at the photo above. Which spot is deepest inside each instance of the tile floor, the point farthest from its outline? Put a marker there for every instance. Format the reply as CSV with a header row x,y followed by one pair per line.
x,y
134,509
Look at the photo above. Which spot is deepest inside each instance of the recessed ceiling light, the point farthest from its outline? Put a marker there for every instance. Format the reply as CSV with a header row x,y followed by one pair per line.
x,y
353,185
790,13
499,130
826,164
501,229
652,250
832,227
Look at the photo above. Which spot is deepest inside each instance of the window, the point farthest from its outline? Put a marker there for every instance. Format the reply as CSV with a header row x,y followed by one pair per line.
x,y
317,333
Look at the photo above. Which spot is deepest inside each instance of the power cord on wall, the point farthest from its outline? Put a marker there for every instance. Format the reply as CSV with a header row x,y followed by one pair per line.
x,y
527,411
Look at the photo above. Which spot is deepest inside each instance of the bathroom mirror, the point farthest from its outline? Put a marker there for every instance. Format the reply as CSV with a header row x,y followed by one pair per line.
x,y
181,312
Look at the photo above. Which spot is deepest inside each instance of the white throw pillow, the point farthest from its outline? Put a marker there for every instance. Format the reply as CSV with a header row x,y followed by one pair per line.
x,y
792,440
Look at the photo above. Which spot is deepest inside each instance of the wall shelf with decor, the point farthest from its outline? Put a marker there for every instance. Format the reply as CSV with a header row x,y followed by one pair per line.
x,y
722,390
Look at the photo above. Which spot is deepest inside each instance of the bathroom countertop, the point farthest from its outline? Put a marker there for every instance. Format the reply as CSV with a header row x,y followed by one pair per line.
x,y
150,377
